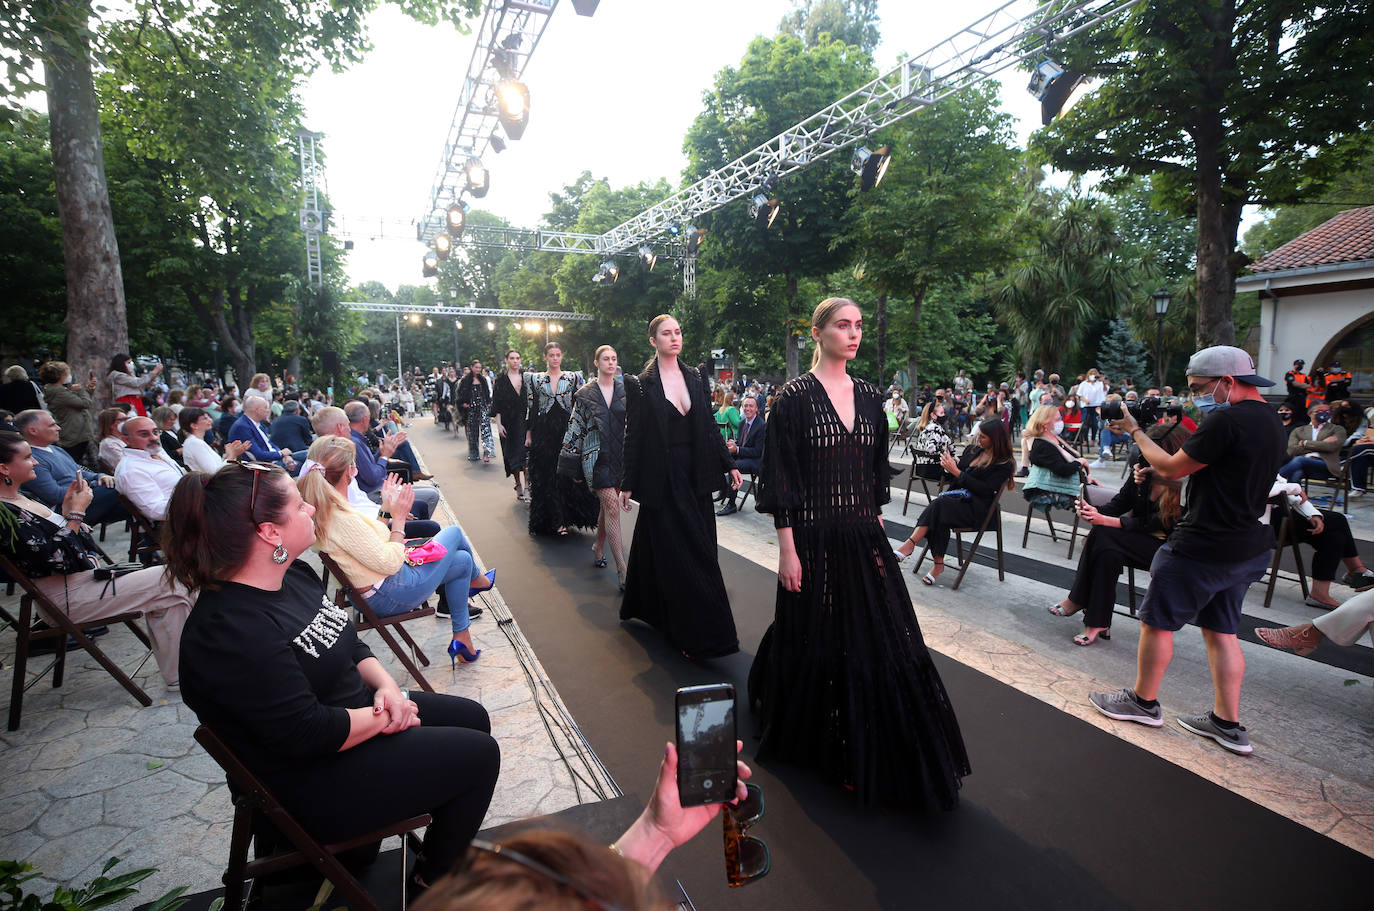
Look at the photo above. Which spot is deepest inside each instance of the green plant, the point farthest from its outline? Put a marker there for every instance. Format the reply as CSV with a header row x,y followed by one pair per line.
x,y
98,893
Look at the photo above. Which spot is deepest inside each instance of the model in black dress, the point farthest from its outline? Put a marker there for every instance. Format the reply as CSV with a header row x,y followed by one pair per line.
x,y
508,408
843,677
556,504
474,395
674,460
593,453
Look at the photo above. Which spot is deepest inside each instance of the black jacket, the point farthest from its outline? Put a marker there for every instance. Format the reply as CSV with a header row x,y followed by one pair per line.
x,y
646,447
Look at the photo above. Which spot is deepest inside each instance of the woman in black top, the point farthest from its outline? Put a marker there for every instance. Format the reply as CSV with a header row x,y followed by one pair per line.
x,y
674,459
556,504
508,407
984,468
277,670
1054,478
593,450
843,677
474,394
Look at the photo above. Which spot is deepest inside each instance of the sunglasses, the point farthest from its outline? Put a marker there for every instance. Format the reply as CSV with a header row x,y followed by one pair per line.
x,y
478,845
746,857
258,468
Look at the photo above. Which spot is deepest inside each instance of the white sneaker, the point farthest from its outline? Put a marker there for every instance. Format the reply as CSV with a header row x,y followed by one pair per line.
x,y
1098,464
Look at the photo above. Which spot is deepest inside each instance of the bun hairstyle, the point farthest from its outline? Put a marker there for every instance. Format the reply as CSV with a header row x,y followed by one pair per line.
x,y
596,358
549,346
656,322
208,533
53,371
11,444
820,317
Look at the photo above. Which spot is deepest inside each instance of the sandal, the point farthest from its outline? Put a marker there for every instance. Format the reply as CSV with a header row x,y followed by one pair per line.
x,y
930,577
1302,643
1085,639
1058,611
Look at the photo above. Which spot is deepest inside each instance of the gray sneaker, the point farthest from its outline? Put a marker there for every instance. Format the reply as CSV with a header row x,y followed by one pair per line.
x,y
1235,740
1122,706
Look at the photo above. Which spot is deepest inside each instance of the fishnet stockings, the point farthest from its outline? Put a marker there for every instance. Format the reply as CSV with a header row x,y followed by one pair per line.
x,y
608,528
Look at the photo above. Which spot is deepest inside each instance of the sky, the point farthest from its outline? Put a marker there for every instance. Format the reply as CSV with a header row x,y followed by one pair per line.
x,y
613,94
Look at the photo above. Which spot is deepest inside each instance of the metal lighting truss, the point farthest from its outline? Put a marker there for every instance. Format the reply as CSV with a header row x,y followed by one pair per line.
x,y
512,28
312,219
453,310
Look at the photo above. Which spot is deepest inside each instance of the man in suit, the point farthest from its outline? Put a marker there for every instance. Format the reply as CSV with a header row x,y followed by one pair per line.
x,y
56,470
147,475
291,432
251,426
1315,449
747,448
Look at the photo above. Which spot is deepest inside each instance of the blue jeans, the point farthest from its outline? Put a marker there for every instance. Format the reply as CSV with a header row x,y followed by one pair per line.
x,y
1302,466
1107,439
404,590
1090,421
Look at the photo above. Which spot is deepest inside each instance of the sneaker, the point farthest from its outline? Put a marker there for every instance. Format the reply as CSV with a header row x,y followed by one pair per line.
x,y
1235,740
1360,581
1097,464
1357,491
1121,706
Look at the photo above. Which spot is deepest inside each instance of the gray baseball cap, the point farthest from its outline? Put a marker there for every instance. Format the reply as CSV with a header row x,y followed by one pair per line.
x,y
1224,360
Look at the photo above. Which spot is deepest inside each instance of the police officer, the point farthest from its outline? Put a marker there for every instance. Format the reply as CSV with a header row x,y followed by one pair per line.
x,y
1337,382
1298,385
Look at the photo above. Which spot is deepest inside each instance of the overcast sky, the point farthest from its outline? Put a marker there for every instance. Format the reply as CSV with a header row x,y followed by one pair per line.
x,y
612,94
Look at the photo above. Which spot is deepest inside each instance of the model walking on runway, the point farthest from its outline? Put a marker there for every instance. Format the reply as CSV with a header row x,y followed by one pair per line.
x,y
508,407
556,504
843,677
474,393
593,451
674,460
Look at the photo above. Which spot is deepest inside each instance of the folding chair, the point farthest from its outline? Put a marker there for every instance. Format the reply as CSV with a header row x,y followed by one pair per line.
x,y
1287,537
901,435
61,626
994,511
1052,534
250,795
371,620
911,478
744,492
1340,485
144,536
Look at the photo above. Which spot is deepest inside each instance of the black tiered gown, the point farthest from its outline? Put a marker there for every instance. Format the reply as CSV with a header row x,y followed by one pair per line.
x,y
555,502
843,677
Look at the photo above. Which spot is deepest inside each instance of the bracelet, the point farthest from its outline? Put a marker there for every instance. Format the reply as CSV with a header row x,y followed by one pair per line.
x,y
615,849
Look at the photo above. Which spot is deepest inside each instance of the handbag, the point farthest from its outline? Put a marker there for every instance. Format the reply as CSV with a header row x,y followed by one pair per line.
x,y
428,552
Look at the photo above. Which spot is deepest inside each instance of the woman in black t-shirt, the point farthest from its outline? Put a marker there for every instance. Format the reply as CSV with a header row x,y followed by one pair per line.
x,y
277,670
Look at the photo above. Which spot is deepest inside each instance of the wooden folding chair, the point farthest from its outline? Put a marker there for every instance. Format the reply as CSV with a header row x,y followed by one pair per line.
x,y
744,491
994,512
60,626
348,593
1287,537
1340,486
250,795
911,478
144,536
1052,534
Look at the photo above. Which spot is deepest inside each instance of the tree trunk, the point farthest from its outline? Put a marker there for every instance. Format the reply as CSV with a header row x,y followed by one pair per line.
x,y
1216,277
880,326
918,298
97,326
793,351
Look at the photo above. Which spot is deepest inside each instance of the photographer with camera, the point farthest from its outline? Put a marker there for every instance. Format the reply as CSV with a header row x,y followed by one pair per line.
x,y
1216,549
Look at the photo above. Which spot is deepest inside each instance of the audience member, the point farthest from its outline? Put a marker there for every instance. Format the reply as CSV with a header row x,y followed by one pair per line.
x,y
252,426
1053,481
198,454
1315,449
72,406
372,468
110,426
1332,543
747,448
146,475
126,385
931,443
19,393
55,471
1343,626
291,432
165,419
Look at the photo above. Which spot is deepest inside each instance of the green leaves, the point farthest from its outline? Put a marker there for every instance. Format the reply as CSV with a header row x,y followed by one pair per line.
x,y
100,892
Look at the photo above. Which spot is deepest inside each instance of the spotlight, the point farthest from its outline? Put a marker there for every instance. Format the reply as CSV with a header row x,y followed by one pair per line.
x,y
478,180
674,228
763,210
1054,87
457,324
431,264
429,323
457,217
498,145
505,61
513,107
870,165
490,326
647,254
608,272
442,245
694,236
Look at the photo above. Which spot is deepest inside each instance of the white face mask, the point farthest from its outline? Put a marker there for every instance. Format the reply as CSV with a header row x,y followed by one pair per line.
x,y
1058,427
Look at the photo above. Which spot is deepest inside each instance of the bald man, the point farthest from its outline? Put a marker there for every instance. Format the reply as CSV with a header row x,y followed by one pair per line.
x,y
145,475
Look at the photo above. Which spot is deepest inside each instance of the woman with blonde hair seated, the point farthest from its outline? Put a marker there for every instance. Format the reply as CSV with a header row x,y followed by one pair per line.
x,y
1053,480
373,555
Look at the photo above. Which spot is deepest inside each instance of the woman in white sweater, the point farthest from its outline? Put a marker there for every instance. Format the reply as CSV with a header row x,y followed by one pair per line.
x,y
374,555
195,452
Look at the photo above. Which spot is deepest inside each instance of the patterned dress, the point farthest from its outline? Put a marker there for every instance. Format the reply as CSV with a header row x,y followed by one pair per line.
x,y
555,502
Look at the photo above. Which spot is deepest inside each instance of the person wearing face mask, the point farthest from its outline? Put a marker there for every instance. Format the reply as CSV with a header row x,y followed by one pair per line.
x,y
932,441
1285,413
1073,418
125,383
1315,449
1053,479
73,407
1216,549
1092,392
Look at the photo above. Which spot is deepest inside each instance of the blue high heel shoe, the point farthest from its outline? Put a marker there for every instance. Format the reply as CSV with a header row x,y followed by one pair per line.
x,y
458,650
490,576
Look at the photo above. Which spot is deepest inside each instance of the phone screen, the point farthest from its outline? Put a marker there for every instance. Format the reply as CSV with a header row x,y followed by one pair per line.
x,y
705,744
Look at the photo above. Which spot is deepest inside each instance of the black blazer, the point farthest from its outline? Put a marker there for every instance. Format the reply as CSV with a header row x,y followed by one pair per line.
x,y
646,447
753,440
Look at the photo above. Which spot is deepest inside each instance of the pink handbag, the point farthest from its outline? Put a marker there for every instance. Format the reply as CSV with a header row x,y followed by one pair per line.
x,y
428,552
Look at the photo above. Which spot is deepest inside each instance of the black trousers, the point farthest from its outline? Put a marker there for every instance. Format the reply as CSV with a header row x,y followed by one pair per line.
x,y
945,513
1328,548
1105,553
446,767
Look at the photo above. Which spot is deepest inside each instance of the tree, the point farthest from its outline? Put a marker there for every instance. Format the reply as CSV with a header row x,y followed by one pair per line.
x,y
1226,103
851,21
30,241
1120,356
1349,190
779,82
939,217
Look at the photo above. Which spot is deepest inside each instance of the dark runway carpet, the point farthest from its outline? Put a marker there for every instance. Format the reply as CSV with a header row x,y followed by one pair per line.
x,y
1057,813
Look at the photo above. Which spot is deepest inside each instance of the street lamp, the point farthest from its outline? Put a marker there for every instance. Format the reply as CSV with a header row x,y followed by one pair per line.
x,y
457,324
214,346
1162,299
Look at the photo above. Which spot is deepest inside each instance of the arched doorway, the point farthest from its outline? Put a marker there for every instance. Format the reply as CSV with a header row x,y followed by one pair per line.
x,y
1354,348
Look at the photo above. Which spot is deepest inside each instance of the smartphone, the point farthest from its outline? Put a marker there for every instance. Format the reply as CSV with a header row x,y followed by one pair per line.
x,y
705,744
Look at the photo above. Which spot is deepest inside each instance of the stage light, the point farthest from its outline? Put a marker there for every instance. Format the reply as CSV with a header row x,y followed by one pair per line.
x,y
498,145
490,326
763,210
647,254
478,180
457,324
505,61
414,319
457,218
431,264
608,272
442,245
513,107
870,165
674,228
693,238
1055,88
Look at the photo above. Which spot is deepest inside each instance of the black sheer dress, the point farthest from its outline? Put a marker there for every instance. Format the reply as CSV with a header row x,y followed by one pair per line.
x,y
843,677
510,406
555,502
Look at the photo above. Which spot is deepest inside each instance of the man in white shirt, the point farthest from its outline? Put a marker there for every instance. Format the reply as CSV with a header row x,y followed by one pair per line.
x,y
145,475
1092,392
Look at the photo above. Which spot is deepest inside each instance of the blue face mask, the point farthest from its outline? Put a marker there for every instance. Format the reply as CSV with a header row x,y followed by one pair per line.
x,y
1322,417
1208,402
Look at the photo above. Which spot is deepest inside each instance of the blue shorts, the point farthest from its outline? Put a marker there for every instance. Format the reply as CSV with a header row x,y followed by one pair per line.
x,y
1196,591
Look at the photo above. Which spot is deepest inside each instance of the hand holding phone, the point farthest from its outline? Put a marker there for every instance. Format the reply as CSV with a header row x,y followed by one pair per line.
x,y
706,771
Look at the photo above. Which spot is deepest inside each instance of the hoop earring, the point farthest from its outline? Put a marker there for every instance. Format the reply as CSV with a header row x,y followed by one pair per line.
x,y
9,482
280,555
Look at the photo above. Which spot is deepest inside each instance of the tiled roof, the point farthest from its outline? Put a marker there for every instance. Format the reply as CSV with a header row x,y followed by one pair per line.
x,y
1347,238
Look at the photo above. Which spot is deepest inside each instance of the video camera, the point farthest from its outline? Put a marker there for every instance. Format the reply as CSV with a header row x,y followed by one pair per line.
x,y
1145,411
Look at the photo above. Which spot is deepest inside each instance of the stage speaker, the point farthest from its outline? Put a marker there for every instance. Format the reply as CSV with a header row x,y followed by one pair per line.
x,y
584,7
329,360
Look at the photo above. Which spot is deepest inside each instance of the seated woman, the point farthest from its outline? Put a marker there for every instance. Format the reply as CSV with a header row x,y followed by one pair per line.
x,y
1343,626
1332,543
111,446
1053,479
165,418
56,551
198,455
373,555
985,467
280,675
932,441
1125,532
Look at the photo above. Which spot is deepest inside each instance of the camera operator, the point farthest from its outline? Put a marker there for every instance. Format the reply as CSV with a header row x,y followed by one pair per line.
x,y
1216,549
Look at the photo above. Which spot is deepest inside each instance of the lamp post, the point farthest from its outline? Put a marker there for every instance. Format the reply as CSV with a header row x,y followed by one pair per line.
x,y
457,358
214,346
1162,299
